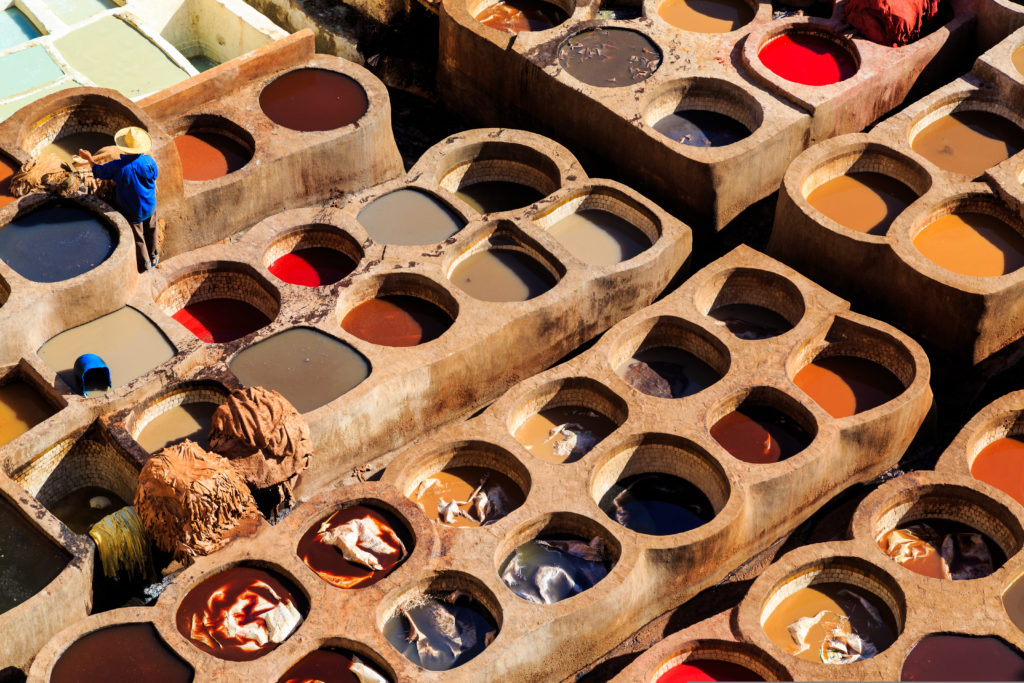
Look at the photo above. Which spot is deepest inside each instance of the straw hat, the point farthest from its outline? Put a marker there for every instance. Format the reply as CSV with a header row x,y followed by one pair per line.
x,y
133,140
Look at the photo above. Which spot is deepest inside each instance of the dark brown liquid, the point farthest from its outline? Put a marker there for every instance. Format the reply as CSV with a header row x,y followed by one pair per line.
x,y
962,658
609,57
974,244
329,563
750,322
241,595
457,484
760,434
515,16
919,546
205,155
28,559
847,385
969,142
129,653
397,321
862,201
313,99
83,507
324,666
563,434
667,372
186,421
1001,464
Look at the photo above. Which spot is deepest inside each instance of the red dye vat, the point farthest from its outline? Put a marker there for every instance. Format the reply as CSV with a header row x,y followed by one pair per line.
x,y
708,670
325,666
326,559
808,59
396,321
216,321
314,99
312,267
205,156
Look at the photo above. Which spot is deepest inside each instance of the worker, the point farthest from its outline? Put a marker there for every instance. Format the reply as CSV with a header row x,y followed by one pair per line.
x,y
135,175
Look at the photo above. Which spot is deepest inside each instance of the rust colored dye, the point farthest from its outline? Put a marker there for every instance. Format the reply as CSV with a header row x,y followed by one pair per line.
x,y
847,385
973,244
862,201
516,16
327,560
760,434
314,99
312,266
807,59
236,601
326,666
208,155
397,321
7,170
128,653
1018,59
969,142
702,670
944,657
750,321
918,546
458,484
216,321
1001,463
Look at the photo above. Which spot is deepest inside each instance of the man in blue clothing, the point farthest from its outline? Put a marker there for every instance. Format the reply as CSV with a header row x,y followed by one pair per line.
x,y
134,174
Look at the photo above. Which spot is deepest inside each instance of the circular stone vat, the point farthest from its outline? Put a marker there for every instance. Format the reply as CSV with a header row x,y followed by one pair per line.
x,y
1001,464
609,57
67,146
504,269
219,617
675,359
409,217
498,176
718,660
219,303
397,320
752,304
707,16
968,139
327,544
764,427
185,413
516,16
211,147
972,243
818,57
306,366
56,242
826,605
847,385
660,485
312,256
704,112
8,167
947,657
333,665
126,652
314,100
565,420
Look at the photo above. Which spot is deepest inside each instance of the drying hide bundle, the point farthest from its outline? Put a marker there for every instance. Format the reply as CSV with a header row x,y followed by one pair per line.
x,y
891,22
48,173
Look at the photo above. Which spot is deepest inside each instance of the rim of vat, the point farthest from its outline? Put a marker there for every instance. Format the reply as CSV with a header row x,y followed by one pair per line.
x,y
557,524
412,285
968,198
201,391
778,400
435,582
762,12
646,454
505,235
1004,419
610,200
310,235
502,161
217,125
342,67
967,99
856,152
734,652
97,106
178,290
344,644
711,94
928,496
756,286
668,331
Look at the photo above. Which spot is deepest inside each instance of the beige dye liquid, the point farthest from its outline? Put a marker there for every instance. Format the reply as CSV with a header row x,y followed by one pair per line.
x,y
969,142
187,421
706,16
536,436
21,409
501,275
599,238
972,244
68,146
865,202
1018,59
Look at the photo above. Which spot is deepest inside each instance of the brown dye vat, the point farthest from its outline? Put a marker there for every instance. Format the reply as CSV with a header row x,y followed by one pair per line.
x,y
974,244
409,217
501,275
862,201
68,146
7,170
329,563
396,321
491,196
185,421
241,596
942,549
458,484
127,653
944,657
83,507
1001,464
847,385
750,322
760,434
326,666
706,16
564,434
840,602
28,560
667,372
609,57
208,155
516,16
21,409
1018,60
313,99
969,142
599,238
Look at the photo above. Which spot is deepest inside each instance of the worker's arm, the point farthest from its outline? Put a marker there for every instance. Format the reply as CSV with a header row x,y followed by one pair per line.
x,y
87,155
104,171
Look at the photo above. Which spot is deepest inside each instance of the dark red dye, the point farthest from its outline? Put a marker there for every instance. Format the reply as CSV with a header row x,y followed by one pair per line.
x,y
314,99
700,670
808,59
963,658
327,561
326,666
312,267
397,321
128,653
216,321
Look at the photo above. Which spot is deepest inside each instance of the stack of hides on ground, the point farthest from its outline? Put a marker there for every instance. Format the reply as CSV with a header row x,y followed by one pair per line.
x,y
891,22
